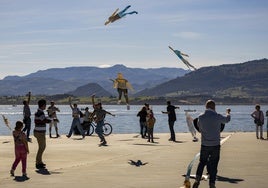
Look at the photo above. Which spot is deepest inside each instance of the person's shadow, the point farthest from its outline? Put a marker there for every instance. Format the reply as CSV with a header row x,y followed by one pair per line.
x,y
21,178
230,180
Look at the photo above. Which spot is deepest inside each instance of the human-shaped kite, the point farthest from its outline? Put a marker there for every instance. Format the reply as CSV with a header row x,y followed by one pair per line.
x,y
116,16
122,86
180,54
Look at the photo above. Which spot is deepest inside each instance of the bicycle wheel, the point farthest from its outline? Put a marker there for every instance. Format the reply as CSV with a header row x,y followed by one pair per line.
x,y
107,129
90,130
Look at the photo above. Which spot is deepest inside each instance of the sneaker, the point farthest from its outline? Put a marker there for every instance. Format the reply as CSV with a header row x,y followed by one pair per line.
x,y
58,135
195,139
196,184
24,174
43,164
68,136
104,143
40,166
12,172
50,136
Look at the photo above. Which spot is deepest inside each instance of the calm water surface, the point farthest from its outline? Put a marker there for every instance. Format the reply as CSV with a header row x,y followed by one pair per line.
x,y
126,121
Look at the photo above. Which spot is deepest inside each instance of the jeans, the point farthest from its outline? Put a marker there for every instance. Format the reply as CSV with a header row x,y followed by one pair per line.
x,y
76,122
172,132
27,121
143,129
99,130
259,129
210,156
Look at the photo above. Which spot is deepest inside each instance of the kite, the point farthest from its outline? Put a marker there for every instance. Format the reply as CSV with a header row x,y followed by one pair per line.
x,y
6,122
116,16
180,54
122,85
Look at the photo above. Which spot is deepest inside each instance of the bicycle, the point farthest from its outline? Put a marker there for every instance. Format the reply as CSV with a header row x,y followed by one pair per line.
x,y
91,126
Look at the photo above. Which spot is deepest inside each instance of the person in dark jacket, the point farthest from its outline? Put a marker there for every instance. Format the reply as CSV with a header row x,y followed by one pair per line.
x,y
171,119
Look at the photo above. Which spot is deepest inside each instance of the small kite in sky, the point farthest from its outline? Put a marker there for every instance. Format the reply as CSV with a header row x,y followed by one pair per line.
x,y
180,54
116,16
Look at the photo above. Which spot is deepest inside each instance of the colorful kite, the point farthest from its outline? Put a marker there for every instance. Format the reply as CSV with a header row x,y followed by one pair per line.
x,y
116,16
122,85
6,122
180,54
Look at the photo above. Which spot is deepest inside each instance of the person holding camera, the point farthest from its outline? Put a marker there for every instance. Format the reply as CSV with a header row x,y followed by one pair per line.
x,y
258,120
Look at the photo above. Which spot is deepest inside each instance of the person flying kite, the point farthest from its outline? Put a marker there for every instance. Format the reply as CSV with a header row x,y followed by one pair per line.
x,y
180,54
116,16
122,86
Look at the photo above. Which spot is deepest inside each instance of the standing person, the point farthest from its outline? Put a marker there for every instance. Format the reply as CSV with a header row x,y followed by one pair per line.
x,y
267,125
52,109
150,127
148,110
122,85
40,121
258,120
21,149
87,120
209,125
171,119
189,121
142,114
76,120
27,117
99,113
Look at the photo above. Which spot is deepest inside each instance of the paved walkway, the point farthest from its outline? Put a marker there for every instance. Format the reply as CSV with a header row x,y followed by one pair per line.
x,y
82,163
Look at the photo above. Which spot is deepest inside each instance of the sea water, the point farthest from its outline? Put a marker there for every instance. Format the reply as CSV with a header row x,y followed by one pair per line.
x,y
126,121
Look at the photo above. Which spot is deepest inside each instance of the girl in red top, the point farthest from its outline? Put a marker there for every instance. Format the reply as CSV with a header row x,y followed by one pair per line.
x,y
21,149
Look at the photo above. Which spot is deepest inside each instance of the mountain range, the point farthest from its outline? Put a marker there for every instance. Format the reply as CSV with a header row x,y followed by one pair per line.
x,y
89,79
249,79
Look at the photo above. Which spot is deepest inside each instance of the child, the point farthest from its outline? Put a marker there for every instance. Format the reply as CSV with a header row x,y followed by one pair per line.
x,y
190,125
21,149
150,127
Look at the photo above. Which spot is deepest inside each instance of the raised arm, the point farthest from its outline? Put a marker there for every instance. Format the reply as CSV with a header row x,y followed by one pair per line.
x,y
171,48
93,100
184,54
29,97
70,102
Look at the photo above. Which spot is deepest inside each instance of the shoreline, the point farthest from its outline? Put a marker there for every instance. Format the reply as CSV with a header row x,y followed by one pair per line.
x,y
82,163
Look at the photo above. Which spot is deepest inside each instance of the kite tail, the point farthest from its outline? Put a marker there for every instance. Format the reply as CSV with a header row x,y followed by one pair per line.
x,y
6,122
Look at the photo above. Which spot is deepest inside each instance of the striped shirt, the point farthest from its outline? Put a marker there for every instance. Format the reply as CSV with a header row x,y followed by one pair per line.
x,y
40,121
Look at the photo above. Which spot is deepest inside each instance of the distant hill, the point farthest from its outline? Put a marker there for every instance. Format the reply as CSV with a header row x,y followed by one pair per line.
x,y
89,89
63,80
247,79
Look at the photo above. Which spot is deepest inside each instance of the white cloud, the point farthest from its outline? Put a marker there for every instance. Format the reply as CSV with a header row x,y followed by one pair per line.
x,y
104,66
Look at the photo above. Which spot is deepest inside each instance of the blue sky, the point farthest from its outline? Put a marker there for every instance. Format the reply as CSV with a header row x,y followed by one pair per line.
x,y
41,34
